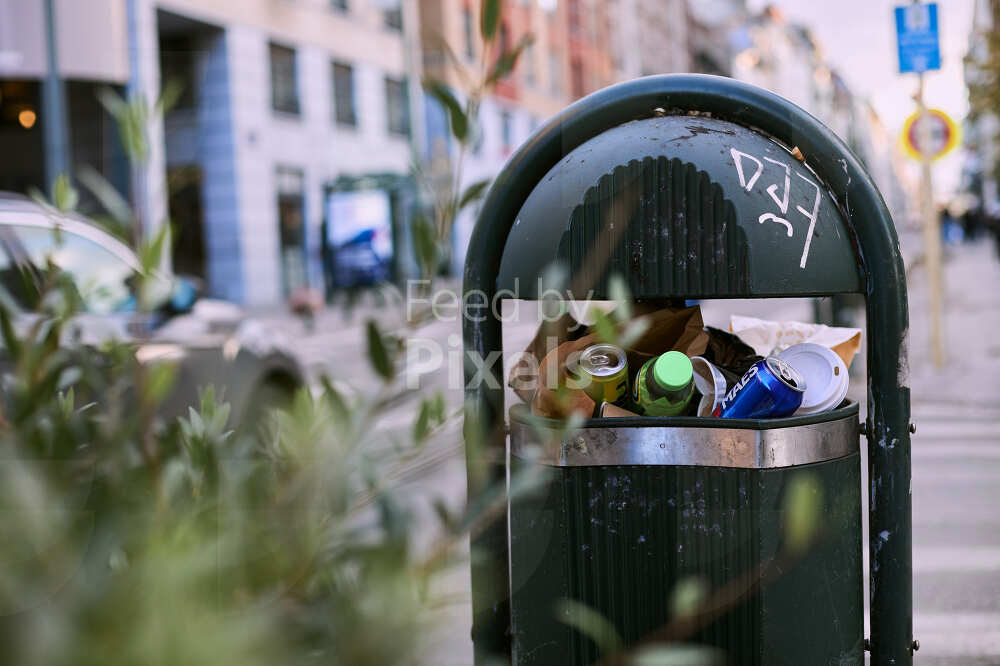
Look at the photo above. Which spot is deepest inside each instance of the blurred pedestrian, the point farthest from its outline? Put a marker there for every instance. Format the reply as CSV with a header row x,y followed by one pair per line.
x,y
951,232
972,224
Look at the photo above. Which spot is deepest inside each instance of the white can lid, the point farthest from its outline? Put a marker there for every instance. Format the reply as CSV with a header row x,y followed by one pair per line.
x,y
825,374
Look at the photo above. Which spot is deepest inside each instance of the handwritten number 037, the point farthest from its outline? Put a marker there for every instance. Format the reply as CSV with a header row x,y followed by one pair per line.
x,y
780,200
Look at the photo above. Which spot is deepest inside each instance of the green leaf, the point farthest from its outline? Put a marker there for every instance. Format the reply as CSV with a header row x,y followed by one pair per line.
x,y
507,61
421,426
459,121
489,18
605,327
634,330
430,415
159,382
448,520
169,95
802,505
678,655
473,192
10,339
688,596
424,245
112,102
67,402
336,401
151,253
64,195
590,623
378,352
106,194
619,292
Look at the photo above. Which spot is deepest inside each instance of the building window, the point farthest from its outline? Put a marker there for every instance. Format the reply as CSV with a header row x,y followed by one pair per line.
x,y
573,17
393,17
397,107
479,134
555,74
576,79
528,62
340,5
470,46
284,87
343,94
507,130
290,190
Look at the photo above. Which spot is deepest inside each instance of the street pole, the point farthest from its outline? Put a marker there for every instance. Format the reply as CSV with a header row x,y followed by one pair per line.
x,y
932,232
53,107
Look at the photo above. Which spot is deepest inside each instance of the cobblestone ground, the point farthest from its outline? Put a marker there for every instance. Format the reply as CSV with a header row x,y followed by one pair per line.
x,y
956,450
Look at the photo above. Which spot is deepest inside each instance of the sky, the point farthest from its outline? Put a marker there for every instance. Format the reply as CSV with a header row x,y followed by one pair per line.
x,y
858,38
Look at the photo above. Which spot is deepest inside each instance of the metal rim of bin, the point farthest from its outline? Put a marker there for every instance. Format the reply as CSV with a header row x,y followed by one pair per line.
x,y
705,442
867,220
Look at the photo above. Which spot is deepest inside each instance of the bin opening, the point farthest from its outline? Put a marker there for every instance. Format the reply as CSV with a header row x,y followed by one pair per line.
x,y
702,359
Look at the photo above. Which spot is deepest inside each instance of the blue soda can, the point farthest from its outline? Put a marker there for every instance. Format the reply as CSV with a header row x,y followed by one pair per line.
x,y
769,389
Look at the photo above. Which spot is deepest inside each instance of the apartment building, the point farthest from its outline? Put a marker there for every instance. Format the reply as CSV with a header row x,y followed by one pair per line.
x,y
650,37
281,97
87,61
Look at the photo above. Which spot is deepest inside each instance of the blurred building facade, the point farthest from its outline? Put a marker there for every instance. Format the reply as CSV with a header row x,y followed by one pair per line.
x,y
982,126
88,60
649,37
785,58
281,97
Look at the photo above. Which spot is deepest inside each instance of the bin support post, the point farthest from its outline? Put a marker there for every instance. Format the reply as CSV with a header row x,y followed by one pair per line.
x,y
890,536
486,474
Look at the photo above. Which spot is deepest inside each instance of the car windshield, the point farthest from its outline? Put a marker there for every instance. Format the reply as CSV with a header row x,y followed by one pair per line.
x,y
102,278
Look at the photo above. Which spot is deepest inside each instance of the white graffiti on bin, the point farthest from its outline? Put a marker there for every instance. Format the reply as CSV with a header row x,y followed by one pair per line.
x,y
784,181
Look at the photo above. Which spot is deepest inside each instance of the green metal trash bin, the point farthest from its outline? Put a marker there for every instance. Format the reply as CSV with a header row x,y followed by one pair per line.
x,y
691,186
637,506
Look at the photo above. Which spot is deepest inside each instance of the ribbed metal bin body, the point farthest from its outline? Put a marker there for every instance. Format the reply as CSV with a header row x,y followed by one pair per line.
x,y
619,538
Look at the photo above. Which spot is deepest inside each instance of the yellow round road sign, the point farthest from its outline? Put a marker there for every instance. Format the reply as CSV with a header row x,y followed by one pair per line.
x,y
943,134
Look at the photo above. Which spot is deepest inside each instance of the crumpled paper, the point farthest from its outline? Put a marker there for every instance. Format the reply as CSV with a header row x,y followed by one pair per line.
x,y
773,337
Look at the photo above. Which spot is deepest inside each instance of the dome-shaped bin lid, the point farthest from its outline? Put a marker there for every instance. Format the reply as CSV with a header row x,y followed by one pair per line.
x,y
683,205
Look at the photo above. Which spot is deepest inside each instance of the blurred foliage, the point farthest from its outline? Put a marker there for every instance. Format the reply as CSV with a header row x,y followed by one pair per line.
x,y
135,539
444,181
984,86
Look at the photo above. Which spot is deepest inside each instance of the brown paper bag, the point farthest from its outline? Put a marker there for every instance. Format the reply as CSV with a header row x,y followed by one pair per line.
x,y
524,374
669,329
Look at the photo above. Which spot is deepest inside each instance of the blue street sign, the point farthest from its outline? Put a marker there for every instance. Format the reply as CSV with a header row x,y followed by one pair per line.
x,y
917,37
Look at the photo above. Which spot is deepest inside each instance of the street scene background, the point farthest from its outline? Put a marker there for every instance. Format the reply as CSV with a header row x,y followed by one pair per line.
x,y
303,141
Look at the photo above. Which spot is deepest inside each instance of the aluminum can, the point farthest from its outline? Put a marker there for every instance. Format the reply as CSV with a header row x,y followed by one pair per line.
x,y
770,388
606,368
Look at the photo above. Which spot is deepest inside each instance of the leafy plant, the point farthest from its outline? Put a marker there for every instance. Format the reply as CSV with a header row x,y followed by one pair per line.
x,y
135,539
445,181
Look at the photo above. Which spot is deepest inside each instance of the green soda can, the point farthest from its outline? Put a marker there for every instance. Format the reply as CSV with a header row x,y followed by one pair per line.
x,y
664,385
